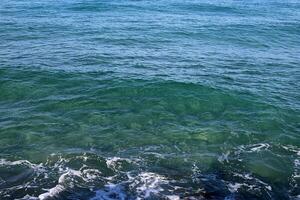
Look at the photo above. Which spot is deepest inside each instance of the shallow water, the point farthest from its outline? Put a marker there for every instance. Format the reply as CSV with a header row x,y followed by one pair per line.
x,y
149,99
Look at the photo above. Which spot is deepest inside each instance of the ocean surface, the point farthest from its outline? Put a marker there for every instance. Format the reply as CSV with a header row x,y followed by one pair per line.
x,y
140,99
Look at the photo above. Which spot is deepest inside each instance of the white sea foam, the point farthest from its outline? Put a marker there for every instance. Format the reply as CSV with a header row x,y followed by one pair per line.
x,y
251,148
247,177
291,148
244,176
5,162
148,184
110,192
52,192
260,147
255,147
143,185
112,162
234,187
158,155
66,180
296,173
173,197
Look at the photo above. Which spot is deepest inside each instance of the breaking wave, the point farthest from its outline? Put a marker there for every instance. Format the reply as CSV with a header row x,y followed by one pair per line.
x,y
87,175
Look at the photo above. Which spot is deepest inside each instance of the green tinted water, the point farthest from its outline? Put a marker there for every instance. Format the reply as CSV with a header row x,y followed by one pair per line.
x,y
157,100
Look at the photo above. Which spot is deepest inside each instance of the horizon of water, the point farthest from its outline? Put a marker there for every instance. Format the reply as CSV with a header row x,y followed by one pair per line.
x,y
149,99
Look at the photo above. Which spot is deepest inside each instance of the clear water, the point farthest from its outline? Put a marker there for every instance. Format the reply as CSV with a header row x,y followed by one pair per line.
x,y
164,99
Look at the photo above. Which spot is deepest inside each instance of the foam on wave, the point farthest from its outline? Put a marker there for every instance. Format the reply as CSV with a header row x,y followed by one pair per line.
x,y
135,183
143,186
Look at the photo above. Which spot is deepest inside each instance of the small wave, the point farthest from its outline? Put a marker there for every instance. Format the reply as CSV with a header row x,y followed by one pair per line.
x,y
52,192
250,182
111,178
148,184
141,186
110,192
69,178
113,162
254,147
291,148
86,176
19,162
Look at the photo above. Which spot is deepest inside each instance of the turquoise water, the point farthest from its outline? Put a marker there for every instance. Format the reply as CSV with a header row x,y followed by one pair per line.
x,y
149,99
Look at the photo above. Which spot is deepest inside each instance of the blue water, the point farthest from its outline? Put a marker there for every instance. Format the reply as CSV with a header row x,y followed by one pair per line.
x,y
138,99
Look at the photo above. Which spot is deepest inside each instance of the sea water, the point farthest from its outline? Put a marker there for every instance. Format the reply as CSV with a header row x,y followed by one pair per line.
x,y
139,99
